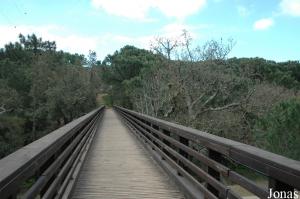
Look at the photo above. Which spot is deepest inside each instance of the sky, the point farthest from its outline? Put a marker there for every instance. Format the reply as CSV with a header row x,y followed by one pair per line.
x,y
260,28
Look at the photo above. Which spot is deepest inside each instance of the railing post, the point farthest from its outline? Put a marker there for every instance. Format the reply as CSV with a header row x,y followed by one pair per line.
x,y
184,141
141,133
167,133
214,155
283,175
153,141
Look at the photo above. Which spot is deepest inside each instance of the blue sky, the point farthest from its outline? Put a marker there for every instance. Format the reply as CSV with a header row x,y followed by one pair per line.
x,y
263,28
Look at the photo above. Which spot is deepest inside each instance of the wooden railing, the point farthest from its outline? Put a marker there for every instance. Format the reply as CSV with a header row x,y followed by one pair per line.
x,y
203,162
50,165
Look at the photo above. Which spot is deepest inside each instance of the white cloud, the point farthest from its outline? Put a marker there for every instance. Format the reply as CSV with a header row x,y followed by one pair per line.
x,y
179,8
103,44
171,31
76,44
263,24
65,41
10,33
138,9
243,11
140,42
134,9
290,7
174,30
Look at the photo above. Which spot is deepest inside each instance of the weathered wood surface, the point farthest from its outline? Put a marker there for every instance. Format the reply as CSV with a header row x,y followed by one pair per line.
x,y
118,166
176,144
33,159
271,164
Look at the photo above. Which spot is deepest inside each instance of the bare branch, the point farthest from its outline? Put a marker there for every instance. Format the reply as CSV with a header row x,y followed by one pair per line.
x,y
224,107
164,46
187,43
198,99
171,110
210,98
221,108
250,93
215,50
2,109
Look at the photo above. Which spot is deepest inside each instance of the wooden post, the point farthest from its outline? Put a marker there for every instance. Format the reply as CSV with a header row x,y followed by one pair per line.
x,y
167,133
214,155
153,134
184,141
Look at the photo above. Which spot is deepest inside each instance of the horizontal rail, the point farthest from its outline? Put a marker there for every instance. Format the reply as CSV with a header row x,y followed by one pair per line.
x,y
50,162
210,166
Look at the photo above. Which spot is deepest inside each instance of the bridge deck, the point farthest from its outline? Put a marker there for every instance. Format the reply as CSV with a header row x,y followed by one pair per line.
x,y
118,166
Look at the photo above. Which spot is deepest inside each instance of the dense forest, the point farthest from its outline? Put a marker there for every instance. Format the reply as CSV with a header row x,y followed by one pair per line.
x,y
251,100
42,89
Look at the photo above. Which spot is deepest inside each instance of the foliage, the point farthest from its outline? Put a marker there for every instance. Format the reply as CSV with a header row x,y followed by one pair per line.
x,y
11,131
201,88
124,65
107,100
245,99
285,74
279,129
41,89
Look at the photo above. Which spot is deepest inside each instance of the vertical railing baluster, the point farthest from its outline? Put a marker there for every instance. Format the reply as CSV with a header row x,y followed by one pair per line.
x,y
167,133
150,132
214,155
184,141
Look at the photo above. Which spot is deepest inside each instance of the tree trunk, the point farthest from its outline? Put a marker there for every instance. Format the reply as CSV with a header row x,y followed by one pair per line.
x,y
190,107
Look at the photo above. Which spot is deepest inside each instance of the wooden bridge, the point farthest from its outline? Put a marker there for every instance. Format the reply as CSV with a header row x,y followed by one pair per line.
x,y
123,154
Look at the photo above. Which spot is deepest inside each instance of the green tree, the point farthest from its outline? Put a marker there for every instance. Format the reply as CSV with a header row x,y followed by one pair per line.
x,y
41,89
279,130
92,58
124,65
11,134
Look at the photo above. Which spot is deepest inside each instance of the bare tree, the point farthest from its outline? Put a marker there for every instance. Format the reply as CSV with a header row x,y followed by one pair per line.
x,y
186,42
215,50
193,81
164,46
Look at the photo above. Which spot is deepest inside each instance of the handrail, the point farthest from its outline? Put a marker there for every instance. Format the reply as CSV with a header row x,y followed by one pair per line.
x,y
176,145
48,160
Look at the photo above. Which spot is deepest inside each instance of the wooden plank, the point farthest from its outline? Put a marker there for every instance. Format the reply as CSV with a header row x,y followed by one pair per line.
x,y
270,164
18,166
191,187
248,184
117,166
187,164
168,140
